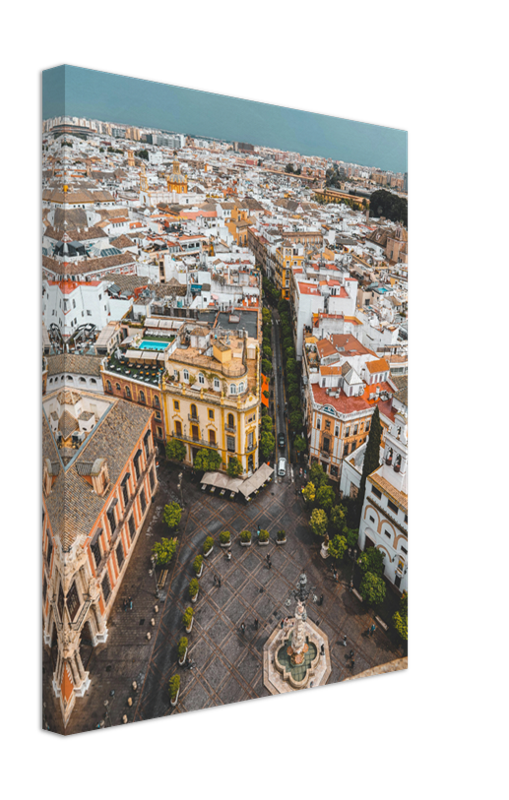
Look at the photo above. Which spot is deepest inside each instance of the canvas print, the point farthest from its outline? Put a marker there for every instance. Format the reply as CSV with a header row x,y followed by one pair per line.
x,y
224,400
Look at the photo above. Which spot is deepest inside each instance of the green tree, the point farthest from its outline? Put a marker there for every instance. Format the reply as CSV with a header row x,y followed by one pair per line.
x,y
176,450
172,514
338,547
294,403
267,423
372,589
400,618
299,444
266,316
207,460
319,522
142,154
309,493
289,169
295,420
267,444
164,551
371,455
266,366
337,518
386,204
325,497
234,468
317,475
352,536
372,560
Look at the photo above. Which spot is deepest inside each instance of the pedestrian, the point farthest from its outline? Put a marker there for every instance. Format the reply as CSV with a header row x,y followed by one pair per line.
x,y
124,604
243,627
130,604
335,575
283,623
218,582
258,531
269,562
320,602
372,629
350,654
344,641
215,580
322,650
229,555
256,623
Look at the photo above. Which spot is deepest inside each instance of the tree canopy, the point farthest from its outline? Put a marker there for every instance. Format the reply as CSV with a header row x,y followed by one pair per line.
x,y
164,551
267,444
372,589
338,547
319,522
172,514
176,450
234,468
372,560
207,460
389,205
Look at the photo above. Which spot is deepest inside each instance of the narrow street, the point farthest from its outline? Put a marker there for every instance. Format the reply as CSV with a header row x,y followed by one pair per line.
x,y
280,410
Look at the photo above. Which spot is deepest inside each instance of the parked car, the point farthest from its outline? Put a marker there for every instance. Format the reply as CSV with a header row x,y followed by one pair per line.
x,y
281,439
281,467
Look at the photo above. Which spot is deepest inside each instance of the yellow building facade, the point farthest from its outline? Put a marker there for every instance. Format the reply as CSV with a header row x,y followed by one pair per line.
x,y
213,401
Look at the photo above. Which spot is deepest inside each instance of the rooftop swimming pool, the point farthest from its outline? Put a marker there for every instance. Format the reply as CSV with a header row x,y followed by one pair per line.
x,y
147,344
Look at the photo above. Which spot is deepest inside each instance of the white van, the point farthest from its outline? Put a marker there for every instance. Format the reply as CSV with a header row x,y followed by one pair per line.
x,y
281,467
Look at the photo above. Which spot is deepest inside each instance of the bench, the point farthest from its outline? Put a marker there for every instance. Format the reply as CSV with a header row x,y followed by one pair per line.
x,y
382,623
162,579
358,596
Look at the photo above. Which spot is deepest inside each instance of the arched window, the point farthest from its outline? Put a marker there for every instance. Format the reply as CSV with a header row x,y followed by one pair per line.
x,y
241,387
128,392
93,380
231,423
142,396
108,386
69,378
83,380
186,375
217,385
117,387
233,388
201,378
156,401
194,412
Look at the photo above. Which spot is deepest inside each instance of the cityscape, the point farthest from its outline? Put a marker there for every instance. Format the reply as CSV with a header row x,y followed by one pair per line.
x,y
225,422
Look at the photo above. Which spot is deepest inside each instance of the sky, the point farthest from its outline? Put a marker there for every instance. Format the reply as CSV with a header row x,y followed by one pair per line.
x,y
74,91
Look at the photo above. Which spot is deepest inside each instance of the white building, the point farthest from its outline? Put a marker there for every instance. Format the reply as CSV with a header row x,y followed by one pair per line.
x,y
70,304
384,517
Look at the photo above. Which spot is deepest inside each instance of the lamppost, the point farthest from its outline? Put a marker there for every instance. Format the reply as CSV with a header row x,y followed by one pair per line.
x,y
179,487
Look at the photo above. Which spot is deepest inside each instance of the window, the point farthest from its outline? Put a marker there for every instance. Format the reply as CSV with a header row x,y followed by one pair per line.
x,y
241,387
250,442
211,413
392,507
132,527
326,444
345,451
406,517
112,520
212,437
347,431
96,549
217,385
230,444
367,424
60,602
355,429
318,423
186,375
376,492
108,386
176,405
327,425
141,397
120,555
44,588
387,533
158,415
49,552
73,602
336,431
143,501
89,313
194,412
125,488
152,479
127,392
146,442
233,388
201,378
404,550
175,374
371,519
178,428
136,461
231,421
106,587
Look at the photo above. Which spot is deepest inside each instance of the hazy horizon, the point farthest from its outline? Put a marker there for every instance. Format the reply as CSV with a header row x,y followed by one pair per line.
x,y
78,92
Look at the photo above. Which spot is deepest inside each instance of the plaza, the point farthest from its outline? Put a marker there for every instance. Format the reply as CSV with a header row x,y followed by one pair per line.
x,y
228,664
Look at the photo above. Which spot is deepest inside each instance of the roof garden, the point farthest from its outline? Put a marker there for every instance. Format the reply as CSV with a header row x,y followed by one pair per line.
x,y
146,370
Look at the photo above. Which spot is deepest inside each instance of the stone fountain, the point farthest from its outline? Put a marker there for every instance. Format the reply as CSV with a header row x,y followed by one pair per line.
x,y
296,654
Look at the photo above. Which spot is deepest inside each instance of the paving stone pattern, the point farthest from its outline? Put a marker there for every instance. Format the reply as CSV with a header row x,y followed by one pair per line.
x,y
228,663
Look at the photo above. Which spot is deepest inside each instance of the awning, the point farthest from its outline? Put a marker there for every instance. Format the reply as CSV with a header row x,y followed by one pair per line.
x,y
256,480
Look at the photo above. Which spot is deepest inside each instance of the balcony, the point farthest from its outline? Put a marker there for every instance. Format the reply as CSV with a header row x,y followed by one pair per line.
x,y
325,455
230,428
193,419
193,440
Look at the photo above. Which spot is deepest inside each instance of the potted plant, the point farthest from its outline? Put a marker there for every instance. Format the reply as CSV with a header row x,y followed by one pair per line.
x,y
208,546
194,588
188,619
263,539
245,538
198,566
224,539
174,689
182,650
281,536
